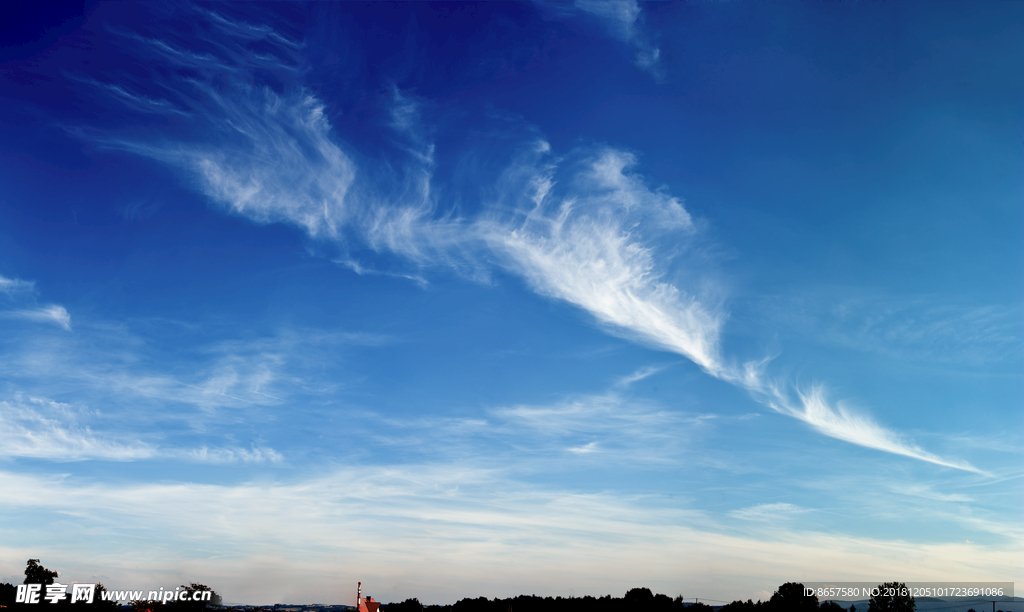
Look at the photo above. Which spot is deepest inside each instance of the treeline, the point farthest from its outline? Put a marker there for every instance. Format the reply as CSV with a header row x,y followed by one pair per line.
x,y
788,598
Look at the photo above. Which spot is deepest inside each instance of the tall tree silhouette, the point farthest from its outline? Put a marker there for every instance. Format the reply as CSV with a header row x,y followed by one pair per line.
x,y
790,598
37,574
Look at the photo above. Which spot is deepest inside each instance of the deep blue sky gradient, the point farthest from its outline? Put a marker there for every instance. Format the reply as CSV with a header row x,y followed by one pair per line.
x,y
290,380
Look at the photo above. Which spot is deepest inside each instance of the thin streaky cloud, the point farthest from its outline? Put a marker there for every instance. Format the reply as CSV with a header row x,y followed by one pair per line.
x,y
361,270
38,428
641,374
768,512
926,492
367,516
14,285
231,455
621,15
589,447
246,30
623,20
26,432
133,100
275,164
102,365
55,314
603,428
841,422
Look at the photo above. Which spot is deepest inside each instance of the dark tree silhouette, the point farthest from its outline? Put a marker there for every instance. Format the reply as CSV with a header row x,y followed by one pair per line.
x,y
741,606
409,605
191,605
7,593
146,605
37,574
638,599
902,601
831,606
790,598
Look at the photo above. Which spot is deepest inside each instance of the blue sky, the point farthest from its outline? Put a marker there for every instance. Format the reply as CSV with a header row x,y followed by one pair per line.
x,y
489,299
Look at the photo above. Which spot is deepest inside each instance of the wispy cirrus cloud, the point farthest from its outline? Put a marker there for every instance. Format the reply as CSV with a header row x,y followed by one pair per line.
x,y
273,161
53,313
43,429
606,424
587,246
927,492
248,31
585,228
596,245
14,285
231,455
641,374
602,429
624,20
213,382
134,100
768,512
269,154
39,428
840,422
21,295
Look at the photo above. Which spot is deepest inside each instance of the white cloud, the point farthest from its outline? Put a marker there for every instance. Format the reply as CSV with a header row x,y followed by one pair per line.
x,y
209,386
639,375
534,439
43,429
282,166
271,157
768,512
926,492
842,423
587,248
132,100
23,293
623,17
232,455
13,285
44,314
247,31
589,447
595,245
593,414
265,154
38,428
